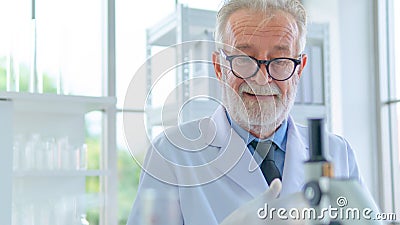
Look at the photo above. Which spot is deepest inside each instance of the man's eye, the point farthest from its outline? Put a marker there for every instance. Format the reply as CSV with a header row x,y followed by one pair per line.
x,y
281,62
243,61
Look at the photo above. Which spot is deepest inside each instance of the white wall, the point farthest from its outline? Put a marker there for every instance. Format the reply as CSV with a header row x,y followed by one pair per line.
x,y
327,12
352,76
359,83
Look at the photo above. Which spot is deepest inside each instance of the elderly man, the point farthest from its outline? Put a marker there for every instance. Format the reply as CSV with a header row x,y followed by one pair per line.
x,y
202,171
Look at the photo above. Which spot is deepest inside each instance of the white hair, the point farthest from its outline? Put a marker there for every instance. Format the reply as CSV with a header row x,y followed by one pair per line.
x,y
292,7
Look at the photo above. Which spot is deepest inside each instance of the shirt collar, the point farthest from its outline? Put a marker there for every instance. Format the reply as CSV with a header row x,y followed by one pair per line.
x,y
279,137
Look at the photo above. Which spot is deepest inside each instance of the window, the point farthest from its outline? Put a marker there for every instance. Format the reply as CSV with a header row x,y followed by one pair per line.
x,y
68,54
58,46
389,42
132,21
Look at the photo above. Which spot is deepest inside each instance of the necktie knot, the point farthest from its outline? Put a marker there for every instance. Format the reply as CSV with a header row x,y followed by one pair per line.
x,y
265,149
268,167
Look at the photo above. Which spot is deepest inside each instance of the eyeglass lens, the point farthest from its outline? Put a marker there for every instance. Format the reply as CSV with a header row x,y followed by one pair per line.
x,y
279,69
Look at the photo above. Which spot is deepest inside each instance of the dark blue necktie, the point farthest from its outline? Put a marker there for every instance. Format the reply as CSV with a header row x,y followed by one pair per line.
x,y
268,166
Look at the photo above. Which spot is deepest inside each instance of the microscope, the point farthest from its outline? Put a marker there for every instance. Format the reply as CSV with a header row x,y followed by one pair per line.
x,y
333,201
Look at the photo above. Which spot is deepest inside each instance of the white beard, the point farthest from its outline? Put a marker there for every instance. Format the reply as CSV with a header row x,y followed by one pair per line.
x,y
259,117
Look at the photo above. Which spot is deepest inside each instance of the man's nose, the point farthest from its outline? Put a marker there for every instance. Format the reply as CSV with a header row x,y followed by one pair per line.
x,y
262,77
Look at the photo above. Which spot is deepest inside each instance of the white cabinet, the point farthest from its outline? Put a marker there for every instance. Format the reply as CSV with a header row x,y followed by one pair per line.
x,y
43,159
6,131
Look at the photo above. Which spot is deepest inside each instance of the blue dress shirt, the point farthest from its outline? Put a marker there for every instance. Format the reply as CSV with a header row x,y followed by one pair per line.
x,y
279,138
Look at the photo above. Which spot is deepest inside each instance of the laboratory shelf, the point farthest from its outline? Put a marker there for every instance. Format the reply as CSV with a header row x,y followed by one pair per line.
x,y
52,103
32,121
52,173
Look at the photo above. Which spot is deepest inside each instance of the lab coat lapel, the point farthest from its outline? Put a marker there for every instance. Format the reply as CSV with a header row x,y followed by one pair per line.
x,y
234,158
296,155
251,180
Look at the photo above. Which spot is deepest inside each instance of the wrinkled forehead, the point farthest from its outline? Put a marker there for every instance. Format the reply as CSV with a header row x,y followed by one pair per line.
x,y
246,26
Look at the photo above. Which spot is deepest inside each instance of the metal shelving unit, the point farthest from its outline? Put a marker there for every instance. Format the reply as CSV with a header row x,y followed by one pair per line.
x,y
187,38
313,94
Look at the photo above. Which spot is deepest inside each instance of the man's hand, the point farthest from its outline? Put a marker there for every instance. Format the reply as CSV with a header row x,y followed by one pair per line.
x,y
264,209
247,214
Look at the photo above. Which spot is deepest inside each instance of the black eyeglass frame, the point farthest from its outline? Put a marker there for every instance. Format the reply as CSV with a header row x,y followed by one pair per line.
x,y
259,63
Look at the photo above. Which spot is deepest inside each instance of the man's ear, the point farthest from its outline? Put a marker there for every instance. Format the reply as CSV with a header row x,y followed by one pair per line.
x,y
217,65
302,64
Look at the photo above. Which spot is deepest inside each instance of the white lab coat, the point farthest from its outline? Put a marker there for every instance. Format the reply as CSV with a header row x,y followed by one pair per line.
x,y
214,180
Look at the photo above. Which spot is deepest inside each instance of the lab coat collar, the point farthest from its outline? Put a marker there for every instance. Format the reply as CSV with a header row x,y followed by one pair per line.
x,y
235,159
220,127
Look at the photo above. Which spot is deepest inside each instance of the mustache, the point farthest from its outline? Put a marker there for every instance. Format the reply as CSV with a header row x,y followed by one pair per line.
x,y
271,89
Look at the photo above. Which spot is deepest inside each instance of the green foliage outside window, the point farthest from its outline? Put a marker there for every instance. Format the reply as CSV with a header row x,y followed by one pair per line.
x,y
3,79
49,82
3,74
128,179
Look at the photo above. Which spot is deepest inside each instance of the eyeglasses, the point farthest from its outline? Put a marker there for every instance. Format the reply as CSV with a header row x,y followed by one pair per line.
x,y
244,66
